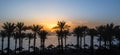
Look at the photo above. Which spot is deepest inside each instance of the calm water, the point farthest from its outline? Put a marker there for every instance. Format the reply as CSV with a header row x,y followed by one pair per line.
x,y
50,40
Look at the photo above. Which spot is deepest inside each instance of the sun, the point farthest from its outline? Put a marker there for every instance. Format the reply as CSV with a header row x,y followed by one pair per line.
x,y
50,27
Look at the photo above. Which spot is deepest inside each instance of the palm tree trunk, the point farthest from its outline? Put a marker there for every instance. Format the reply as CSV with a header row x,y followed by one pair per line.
x,y
105,43
19,41
92,49
43,45
65,42
40,45
110,44
59,42
78,41
8,50
62,43
84,41
119,45
21,44
34,41
29,45
15,45
2,44
100,42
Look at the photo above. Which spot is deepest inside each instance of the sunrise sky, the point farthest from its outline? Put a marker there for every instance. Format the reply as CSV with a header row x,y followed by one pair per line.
x,y
48,12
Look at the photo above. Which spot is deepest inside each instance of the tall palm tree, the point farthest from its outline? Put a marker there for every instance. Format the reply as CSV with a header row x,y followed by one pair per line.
x,y
29,36
100,33
42,35
109,33
117,34
35,29
92,33
84,33
58,36
16,36
3,35
9,28
78,32
19,28
65,34
23,35
61,25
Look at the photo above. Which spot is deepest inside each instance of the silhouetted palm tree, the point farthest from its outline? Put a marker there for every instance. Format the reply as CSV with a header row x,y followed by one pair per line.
x,y
35,29
78,32
3,35
65,34
19,28
108,33
29,36
61,26
92,33
58,36
100,33
16,36
117,35
42,35
23,35
9,28
84,29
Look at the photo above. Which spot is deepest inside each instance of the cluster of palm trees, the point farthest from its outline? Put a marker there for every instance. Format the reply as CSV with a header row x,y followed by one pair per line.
x,y
105,33
18,32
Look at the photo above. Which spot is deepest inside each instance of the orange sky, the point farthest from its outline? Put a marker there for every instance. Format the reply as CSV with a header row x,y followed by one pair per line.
x,y
49,22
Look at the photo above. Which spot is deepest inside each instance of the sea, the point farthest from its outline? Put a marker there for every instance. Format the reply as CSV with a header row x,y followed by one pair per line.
x,y
51,39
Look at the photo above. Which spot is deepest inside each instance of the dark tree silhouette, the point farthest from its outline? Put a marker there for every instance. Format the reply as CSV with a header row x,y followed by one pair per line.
x,y
42,35
65,34
117,35
92,33
16,36
79,32
35,29
3,35
58,36
9,29
108,33
84,32
61,26
29,36
100,33
19,28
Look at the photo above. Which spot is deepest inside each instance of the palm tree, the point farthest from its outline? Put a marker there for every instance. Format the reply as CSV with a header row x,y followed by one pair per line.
x,y
16,36
29,36
84,32
109,33
58,36
78,32
92,33
9,28
61,25
100,33
117,34
42,35
3,35
65,34
35,29
19,28
23,35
